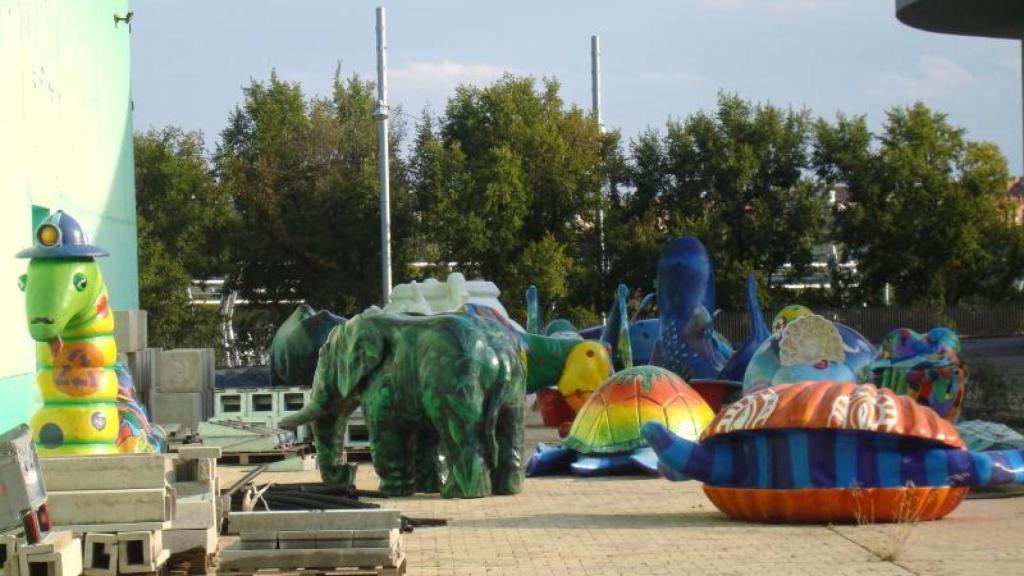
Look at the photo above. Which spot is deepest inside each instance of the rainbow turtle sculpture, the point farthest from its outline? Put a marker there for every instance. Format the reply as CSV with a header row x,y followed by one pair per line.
x,y
605,436
831,452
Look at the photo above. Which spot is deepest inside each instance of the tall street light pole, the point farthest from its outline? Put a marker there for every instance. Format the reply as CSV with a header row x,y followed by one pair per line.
x,y
380,113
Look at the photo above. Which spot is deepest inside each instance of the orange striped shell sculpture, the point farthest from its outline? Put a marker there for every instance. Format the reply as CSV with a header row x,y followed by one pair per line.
x,y
831,452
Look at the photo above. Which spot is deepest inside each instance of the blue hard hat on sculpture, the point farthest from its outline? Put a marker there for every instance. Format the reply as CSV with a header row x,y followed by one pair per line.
x,y
61,236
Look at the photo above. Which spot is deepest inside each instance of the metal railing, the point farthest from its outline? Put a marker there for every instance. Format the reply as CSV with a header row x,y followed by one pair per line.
x,y
1004,319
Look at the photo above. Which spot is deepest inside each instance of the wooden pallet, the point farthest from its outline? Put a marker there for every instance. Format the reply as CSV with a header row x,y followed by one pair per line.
x,y
247,458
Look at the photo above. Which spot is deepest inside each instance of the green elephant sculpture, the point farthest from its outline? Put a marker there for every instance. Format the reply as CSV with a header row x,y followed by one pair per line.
x,y
295,347
443,398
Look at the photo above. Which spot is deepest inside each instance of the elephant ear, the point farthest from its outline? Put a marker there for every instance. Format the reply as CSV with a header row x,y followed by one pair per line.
x,y
363,353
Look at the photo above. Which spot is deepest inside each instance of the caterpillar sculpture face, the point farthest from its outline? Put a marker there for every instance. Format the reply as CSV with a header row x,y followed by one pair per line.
x,y
56,291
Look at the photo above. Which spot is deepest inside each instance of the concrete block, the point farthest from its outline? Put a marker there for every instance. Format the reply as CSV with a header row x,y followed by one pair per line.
x,y
90,507
176,541
190,489
199,452
202,470
195,512
185,370
101,555
65,560
206,469
296,540
142,366
108,527
185,408
328,539
331,539
140,551
130,330
50,543
239,522
236,558
9,544
111,472
263,540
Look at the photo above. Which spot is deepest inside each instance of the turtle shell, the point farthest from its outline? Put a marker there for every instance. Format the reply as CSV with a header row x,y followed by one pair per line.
x,y
837,406
610,420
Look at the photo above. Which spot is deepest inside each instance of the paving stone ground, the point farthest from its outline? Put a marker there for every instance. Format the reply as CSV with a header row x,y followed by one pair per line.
x,y
634,526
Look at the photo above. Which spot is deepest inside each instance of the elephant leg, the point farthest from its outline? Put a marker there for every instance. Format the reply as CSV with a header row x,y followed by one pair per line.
x,y
427,474
458,421
392,439
507,476
391,448
329,437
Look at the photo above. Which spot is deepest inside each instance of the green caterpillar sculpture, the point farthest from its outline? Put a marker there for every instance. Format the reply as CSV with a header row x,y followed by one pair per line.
x,y
88,398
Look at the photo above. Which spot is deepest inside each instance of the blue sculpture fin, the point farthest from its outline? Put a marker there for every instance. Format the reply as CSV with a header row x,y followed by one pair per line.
x,y
736,367
532,311
549,460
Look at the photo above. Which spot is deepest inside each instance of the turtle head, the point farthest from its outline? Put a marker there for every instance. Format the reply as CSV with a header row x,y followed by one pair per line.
x,y
588,365
678,458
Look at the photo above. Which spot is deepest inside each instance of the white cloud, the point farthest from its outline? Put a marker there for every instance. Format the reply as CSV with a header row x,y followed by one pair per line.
x,y
936,76
446,72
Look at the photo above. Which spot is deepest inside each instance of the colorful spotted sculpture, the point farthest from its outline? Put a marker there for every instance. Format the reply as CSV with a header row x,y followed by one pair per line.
x,y
926,367
831,452
89,405
605,436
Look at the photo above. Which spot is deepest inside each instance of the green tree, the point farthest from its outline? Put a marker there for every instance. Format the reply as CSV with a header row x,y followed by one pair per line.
x,y
736,179
923,214
508,185
303,175
185,224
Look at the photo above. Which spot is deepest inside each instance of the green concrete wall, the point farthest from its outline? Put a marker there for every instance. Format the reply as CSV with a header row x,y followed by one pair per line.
x,y
65,143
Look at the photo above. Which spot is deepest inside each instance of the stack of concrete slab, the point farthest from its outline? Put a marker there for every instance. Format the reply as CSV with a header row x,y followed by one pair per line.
x,y
184,386
131,336
321,540
262,405
196,525
131,492
130,330
135,511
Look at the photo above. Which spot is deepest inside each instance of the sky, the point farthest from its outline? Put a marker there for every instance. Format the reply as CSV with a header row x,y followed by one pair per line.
x,y
659,59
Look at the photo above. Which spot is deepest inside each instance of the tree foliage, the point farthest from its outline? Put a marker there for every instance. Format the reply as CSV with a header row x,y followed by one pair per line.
x,y
508,182
184,225
736,178
508,185
303,175
924,213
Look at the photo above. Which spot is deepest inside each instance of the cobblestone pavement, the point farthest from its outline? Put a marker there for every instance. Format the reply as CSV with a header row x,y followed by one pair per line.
x,y
632,525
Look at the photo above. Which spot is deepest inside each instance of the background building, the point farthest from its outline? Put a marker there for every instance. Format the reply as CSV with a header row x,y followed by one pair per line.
x,y
65,143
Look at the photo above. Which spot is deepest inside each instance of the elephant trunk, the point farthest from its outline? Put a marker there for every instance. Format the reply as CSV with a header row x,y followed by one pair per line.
x,y
964,468
678,458
309,413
